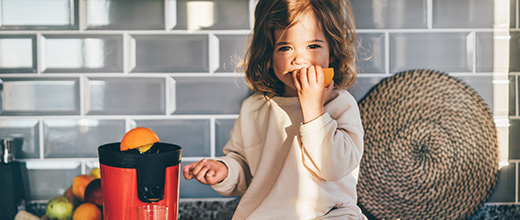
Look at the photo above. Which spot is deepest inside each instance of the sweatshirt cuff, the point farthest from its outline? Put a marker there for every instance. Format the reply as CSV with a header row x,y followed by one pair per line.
x,y
315,124
232,178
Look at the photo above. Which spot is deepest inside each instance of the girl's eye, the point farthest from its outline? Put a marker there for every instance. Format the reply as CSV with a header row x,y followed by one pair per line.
x,y
314,46
285,48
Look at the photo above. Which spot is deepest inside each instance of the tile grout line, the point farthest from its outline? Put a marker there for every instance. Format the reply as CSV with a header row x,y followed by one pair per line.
x,y
429,14
212,131
226,32
251,11
126,50
387,53
83,166
38,52
516,96
82,97
82,17
166,15
474,55
167,101
41,138
211,49
123,117
516,182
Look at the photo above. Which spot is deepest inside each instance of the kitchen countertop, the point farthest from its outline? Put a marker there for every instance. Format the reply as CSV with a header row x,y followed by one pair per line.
x,y
189,209
223,208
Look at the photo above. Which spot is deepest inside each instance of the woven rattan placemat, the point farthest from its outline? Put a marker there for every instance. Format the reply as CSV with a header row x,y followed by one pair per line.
x,y
431,148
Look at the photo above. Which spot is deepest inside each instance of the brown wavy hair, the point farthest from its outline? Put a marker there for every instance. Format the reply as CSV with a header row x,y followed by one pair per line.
x,y
337,23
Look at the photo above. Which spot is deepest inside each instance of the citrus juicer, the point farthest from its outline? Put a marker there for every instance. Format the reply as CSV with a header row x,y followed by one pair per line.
x,y
130,179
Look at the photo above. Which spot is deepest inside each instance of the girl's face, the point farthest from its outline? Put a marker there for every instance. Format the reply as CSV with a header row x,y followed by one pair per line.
x,y
299,46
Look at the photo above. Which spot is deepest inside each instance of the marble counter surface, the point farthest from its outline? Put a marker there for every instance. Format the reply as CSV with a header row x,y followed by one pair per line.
x,y
189,209
222,209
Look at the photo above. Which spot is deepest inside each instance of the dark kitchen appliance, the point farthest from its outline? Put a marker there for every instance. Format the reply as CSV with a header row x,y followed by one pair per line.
x,y
12,190
130,179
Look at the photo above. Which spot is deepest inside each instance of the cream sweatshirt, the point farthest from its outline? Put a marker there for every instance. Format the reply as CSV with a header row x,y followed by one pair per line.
x,y
283,169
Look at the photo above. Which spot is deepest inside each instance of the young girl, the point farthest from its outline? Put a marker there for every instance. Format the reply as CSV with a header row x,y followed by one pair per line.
x,y
296,143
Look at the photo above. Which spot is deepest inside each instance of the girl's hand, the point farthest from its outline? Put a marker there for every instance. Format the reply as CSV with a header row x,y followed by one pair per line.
x,y
206,171
312,93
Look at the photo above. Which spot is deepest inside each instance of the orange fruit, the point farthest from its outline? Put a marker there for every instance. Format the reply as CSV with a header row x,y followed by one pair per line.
x,y
79,183
329,74
87,211
141,138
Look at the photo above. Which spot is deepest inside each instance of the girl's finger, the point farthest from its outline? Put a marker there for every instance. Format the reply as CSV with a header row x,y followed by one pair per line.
x,y
303,77
188,170
210,177
312,75
331,85
201,176
199,166
187,174
320,77
211,173
296,79
213,177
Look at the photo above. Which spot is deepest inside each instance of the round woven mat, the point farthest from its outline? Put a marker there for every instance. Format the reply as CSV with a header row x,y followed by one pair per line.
x,y
431,148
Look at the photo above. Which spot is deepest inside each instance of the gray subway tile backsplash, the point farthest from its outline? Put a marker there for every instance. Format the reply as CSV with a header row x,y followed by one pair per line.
x,y
484,52
125,96
47,179
43,15
462,14
513,104
195,15
81,53
77,138
177,53
231,50
17,54
363,85
371,52
513,15
192,135
514,140
39,96
482,85
26,133
124,15
448,51
222,134
505,185
76,74
203,95
381,14
514,55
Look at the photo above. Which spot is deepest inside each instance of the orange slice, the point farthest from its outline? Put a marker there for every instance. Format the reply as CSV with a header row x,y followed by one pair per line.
x,y
141,138
329,74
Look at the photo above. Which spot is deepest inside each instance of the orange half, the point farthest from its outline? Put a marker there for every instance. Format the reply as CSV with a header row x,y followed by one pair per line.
x,y
329,74
141,138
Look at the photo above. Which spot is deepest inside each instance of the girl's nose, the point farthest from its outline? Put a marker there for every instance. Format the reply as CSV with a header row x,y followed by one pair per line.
x,y
299,59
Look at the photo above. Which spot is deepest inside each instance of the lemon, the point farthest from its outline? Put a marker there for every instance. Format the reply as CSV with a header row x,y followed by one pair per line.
x,y
144,148
96,173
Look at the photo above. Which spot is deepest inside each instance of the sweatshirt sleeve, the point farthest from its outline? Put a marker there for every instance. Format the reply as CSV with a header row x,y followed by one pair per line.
x,y
237,180
332,144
